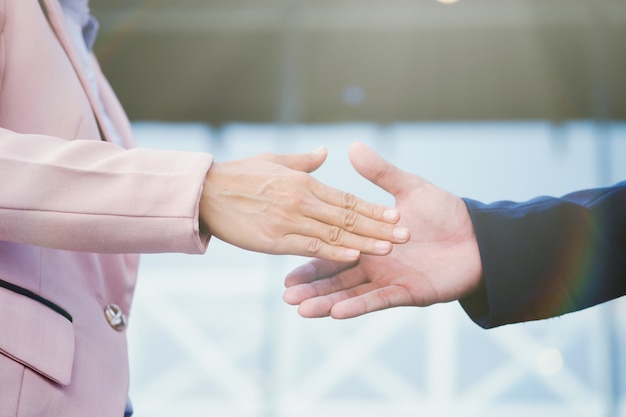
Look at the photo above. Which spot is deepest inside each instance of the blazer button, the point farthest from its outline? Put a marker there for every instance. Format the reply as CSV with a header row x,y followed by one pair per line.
x,y
115,317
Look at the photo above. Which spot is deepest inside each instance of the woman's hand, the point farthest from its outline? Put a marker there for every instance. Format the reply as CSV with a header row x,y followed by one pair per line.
x,y
269,203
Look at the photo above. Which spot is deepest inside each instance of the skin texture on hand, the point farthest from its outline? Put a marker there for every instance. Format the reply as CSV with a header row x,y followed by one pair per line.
x,y
440,263
269,203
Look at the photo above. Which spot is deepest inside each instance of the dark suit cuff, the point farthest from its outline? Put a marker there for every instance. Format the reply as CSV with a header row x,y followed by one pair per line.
x,y
516,256
548,256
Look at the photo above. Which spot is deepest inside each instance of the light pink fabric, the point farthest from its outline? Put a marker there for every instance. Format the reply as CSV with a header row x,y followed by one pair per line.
x,y
27,326
74,211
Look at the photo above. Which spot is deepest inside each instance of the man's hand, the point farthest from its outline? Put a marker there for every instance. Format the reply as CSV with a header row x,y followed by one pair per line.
x,y
270,204
440,263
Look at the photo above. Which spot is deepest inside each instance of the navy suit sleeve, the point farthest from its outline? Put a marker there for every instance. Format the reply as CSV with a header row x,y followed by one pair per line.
x,y
548,256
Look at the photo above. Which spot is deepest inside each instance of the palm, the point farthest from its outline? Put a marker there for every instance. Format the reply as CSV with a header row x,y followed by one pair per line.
x,y
440,262
423,271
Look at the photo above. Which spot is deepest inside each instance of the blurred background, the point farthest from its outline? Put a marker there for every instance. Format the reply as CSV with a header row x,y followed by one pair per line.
x,y
490,99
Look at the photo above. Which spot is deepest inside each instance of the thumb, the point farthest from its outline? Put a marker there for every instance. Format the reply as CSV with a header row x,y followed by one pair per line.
x,y
306,162
381,172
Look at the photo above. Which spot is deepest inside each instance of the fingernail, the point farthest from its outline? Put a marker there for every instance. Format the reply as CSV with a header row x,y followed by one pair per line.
x,y
401,233
352,253
320,150
391,215
382,246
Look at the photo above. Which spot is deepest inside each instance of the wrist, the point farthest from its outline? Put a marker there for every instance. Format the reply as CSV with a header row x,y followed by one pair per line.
x,y
203,204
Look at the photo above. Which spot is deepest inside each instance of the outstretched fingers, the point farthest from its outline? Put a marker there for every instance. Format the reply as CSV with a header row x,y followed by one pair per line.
x,y
374,225
319,239
340,290
366,299
352,203
313,270
321,305
355,302
308,282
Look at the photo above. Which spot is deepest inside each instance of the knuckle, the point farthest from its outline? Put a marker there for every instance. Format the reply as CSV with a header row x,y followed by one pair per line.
x,y
387,301
334,234
376,212
314,246
349,201
294,198
351,219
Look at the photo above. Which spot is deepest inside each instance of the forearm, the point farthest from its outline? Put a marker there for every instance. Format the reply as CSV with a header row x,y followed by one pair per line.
x,y
90,195
549,256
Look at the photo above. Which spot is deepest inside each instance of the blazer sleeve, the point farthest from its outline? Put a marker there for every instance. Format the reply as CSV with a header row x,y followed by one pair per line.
x,y
548,256
94,196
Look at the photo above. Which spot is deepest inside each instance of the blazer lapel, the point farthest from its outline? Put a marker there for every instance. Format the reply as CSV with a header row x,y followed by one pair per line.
x,y
55,17
113,107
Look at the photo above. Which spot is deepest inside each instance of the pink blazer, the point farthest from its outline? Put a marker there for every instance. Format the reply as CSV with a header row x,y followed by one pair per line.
x,y
75,210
